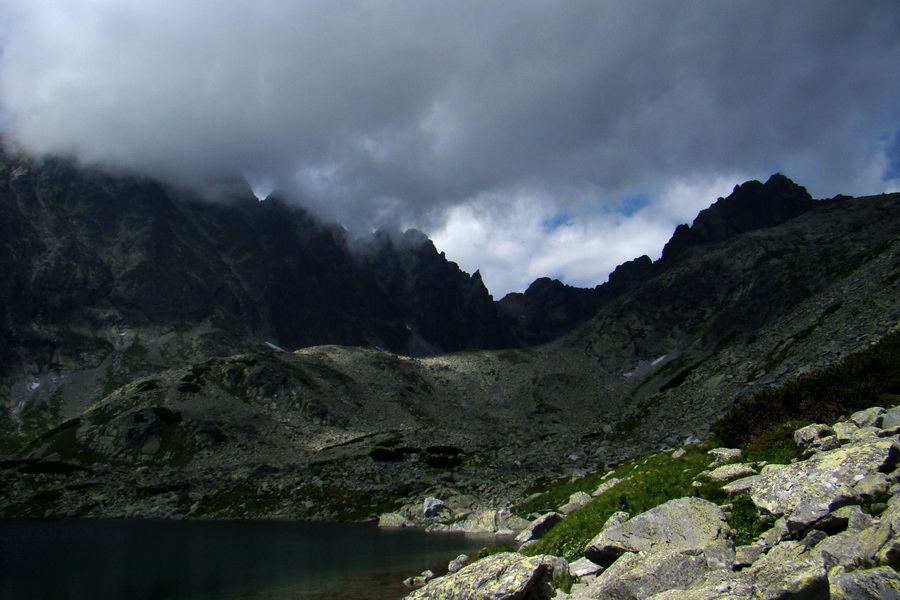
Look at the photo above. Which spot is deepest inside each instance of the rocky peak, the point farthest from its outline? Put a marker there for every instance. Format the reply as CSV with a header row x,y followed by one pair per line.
x,y
549,309
751,206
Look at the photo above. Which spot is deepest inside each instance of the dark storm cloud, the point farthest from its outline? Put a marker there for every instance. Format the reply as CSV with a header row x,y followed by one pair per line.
x,y
398,110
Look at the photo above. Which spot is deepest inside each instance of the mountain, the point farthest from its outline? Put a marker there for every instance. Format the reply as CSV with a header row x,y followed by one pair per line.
x,y
105,278
196,418
548,308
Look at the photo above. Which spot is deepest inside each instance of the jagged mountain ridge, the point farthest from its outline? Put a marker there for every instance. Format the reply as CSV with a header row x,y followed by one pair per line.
x,y
549,308
94,264
656,364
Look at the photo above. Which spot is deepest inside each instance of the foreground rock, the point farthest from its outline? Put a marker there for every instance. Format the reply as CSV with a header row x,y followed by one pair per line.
x,y
504,576
685,524
835,534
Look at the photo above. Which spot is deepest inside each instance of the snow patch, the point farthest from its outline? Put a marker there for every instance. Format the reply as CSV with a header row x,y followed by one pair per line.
x,y
658,360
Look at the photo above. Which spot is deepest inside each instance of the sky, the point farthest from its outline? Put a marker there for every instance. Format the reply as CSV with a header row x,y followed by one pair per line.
x,y
527,139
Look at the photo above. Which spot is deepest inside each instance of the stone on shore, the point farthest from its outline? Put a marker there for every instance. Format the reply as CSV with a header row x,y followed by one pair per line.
x,y
503,576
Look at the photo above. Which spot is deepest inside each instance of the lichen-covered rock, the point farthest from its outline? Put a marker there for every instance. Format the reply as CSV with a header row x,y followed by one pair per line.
x,y
852,549
805,436
583,567
606,486
807,491
576,501
724,455
880,583
500,521
729,472
890,420
649,574
789,570
870,417
677,525
503,576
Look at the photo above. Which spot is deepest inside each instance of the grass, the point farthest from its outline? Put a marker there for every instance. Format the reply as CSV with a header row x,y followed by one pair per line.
x,y
762,425
646,482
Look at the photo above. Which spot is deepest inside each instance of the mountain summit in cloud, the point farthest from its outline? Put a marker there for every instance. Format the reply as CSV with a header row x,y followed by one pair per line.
x,y
508,117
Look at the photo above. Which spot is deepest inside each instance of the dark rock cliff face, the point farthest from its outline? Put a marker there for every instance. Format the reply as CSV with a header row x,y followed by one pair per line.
x,y
549,309
85,249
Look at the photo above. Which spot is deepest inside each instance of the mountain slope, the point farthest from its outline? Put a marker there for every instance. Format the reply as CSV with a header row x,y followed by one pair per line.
x,y
310,431
106,278
549,309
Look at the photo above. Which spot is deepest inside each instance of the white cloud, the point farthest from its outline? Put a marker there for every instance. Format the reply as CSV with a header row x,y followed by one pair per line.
x,y
499,116
507,238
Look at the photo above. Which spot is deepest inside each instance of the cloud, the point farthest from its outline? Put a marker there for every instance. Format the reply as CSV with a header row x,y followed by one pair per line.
x,y
411,113
513,241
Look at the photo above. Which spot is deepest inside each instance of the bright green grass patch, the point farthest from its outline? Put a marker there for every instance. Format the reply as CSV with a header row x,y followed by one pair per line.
x,y
646,483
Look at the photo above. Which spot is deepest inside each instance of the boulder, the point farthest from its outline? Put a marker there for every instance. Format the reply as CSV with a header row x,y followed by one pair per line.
x,y
432,506
539,527
807,491
870,417
729,472
805,436
641,575
852,549
881,583
583,567
890,420
493,520
677,525
457,563
723,456
606,486
789,570
576,501
503,576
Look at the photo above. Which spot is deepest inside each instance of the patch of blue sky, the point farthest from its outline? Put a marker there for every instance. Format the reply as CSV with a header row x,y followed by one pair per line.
x,y
561,219
892,170
632,203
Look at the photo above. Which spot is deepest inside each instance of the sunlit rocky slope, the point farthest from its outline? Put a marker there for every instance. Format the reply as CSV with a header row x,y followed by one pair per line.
x,y
235,428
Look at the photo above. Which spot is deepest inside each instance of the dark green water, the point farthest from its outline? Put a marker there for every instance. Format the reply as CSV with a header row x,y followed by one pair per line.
x,y
222,560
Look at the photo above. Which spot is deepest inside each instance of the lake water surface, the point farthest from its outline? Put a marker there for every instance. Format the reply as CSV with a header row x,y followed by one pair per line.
x,y
221,560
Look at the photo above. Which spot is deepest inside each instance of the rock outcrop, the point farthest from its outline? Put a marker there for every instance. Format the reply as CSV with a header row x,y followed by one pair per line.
x,y
836,535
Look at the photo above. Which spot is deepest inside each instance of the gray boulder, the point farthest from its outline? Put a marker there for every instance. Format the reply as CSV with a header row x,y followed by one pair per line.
x,y
723,456
891,419
852,549
432,506
583,567
493,520
576,501
503,576
805,436
677,525
638,576
729,472
881,583
871,417
606,486
789,570
807,491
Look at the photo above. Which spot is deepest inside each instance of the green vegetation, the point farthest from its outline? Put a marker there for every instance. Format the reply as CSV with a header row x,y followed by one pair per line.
x,y
868,378
646,482
762,425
